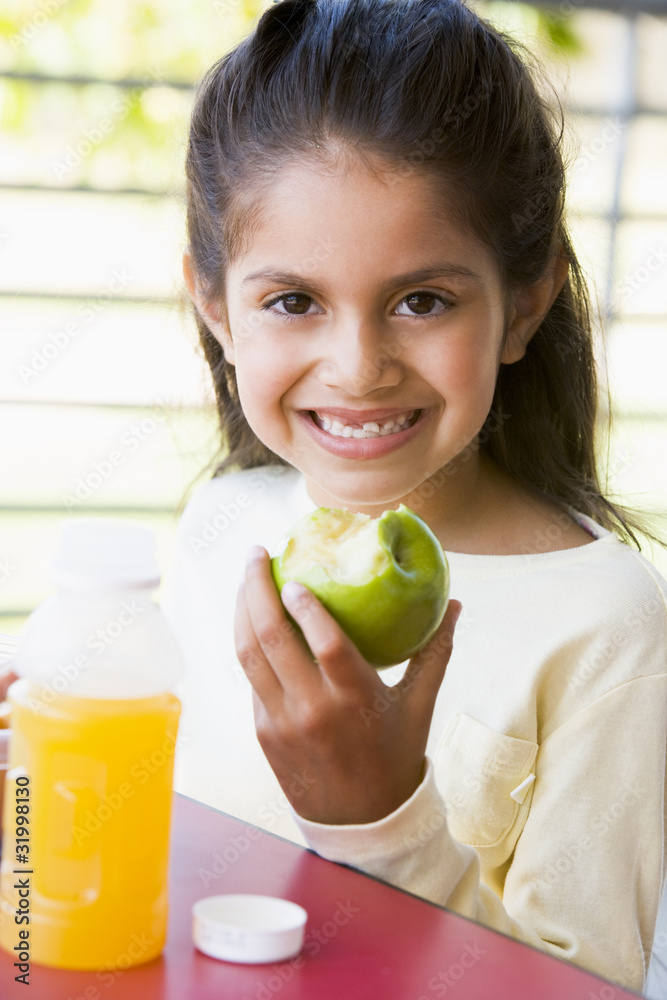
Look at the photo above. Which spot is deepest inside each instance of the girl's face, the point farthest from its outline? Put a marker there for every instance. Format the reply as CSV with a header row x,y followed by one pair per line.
x,y
366,328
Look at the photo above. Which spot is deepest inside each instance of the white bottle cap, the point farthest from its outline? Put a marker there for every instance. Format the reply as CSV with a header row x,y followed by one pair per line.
x,y
100,553
248,928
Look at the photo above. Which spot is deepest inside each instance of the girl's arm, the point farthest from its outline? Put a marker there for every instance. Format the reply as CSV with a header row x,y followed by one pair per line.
x,y
312,716
585,876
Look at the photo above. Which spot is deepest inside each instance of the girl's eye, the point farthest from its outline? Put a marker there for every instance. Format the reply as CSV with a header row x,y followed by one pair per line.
x,y
421,304
294,304
297,304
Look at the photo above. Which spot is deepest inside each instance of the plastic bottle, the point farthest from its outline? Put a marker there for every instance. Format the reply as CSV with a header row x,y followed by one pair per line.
x,y
94,731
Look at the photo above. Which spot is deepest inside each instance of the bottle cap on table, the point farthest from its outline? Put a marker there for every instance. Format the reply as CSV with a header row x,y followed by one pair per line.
x,y
248,928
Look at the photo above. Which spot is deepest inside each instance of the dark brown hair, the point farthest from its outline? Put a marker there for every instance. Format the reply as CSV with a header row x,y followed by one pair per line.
x,y
421,85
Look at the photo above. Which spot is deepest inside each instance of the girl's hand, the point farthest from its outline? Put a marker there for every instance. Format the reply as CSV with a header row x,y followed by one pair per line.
x,y
345,747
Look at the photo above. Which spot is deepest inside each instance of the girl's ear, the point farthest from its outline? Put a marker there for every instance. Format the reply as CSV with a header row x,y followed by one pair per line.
x,y
530,306
214,317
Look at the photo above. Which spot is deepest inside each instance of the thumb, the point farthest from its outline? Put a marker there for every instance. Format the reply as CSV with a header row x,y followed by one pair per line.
x,y
432,659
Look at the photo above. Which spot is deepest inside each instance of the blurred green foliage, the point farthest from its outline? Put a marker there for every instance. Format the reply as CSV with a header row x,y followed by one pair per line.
x,y
550,29
559,33
108,136
103,134
114,39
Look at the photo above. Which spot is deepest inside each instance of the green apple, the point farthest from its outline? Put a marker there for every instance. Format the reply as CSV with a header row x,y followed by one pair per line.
x,y
385,580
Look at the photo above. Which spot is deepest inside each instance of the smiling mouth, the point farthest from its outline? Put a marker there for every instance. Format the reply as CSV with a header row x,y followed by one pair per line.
x,y
337,427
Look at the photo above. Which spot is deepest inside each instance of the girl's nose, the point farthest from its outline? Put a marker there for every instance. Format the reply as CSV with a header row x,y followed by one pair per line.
x,y
362,360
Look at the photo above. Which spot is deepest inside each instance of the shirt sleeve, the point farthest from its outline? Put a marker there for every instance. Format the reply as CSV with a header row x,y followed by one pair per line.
x,y
585,877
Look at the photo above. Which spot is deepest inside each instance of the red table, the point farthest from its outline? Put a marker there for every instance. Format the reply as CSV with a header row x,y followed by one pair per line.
x,y
364,939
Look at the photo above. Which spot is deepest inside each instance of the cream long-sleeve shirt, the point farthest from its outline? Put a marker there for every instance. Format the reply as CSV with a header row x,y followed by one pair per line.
x,y
542,810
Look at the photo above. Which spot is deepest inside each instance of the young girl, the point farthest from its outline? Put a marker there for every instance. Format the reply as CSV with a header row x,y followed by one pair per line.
x,y
392,311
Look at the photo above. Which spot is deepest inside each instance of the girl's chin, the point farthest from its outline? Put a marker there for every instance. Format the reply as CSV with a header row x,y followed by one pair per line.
x,y
361,497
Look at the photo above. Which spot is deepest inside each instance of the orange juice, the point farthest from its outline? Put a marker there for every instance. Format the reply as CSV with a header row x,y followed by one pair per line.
x,y
86,816
99,779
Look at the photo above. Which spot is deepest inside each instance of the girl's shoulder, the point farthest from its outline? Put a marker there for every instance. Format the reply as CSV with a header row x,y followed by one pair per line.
x,y
628,569
243,487
604,586
254,503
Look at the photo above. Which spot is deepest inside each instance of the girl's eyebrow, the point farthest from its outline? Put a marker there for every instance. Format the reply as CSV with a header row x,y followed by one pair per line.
x,y
437,270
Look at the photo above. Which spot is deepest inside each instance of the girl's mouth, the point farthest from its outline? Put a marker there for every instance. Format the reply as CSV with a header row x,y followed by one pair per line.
x,y
343,428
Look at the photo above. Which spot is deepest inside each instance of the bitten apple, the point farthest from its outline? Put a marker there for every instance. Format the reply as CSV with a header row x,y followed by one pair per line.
x,y
385,580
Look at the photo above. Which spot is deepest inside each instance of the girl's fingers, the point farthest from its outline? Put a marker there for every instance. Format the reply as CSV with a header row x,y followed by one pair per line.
x,y
336,655
426,670
277,638
257,668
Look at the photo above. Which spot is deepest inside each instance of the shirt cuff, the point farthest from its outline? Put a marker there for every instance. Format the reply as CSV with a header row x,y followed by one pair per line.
x,y
417,819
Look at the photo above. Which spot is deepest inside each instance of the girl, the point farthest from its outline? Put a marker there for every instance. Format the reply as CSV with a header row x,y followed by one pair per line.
x,y
392,311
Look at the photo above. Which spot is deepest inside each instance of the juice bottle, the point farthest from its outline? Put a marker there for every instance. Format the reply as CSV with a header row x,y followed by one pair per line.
x,y
94,731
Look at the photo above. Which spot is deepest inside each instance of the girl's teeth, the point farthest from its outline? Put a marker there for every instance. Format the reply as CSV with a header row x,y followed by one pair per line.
x,y
369,429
